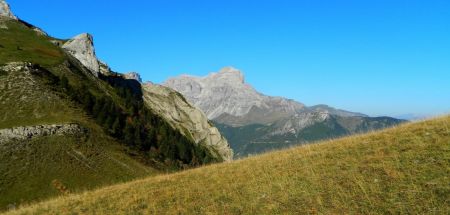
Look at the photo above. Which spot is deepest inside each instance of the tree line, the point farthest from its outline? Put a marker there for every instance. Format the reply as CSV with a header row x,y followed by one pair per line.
x,y
133,124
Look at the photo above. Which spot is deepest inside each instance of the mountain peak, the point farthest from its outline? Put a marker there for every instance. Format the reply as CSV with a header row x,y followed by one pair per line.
x,y
228,74
82,48
230,69
5,10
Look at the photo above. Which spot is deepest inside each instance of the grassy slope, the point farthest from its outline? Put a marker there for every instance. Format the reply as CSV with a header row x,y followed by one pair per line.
x,y
400,170
29,168
20,43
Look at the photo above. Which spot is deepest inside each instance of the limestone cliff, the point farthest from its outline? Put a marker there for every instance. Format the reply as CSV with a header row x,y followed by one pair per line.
x,y
189,120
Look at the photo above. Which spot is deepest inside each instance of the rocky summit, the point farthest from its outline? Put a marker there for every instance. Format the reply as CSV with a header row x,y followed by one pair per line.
x,y
82,48
5,11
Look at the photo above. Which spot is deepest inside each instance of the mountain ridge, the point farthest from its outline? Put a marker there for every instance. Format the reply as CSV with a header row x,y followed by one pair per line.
x,y
226,92
241,112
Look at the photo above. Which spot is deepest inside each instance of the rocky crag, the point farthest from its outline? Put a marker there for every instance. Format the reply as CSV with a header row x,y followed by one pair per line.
x,y
82,48
5,10
186,118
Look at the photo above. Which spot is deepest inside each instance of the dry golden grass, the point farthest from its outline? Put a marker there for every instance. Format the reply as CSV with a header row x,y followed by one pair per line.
x,y
400,170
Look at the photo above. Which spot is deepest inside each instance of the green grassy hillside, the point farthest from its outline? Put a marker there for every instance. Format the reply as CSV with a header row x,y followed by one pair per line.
x,y
403,170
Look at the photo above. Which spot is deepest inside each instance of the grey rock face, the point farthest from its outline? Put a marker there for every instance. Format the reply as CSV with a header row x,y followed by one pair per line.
x,y
104,68
296,123
29,132
189,120
5,10
227,93
133,76
82,48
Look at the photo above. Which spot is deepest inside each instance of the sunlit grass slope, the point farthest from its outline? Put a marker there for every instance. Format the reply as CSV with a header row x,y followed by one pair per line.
x,y
400,170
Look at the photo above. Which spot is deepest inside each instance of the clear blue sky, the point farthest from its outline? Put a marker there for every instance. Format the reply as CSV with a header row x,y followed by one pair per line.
x,y
380,57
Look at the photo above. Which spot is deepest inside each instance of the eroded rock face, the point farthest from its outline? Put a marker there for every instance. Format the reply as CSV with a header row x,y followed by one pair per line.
x,y
29,132
82,48
189,120
5,10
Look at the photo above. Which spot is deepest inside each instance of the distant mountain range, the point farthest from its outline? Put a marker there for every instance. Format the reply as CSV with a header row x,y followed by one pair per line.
x,y
253,122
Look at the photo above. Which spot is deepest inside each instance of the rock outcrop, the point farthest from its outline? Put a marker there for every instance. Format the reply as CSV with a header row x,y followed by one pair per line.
x,y
29,132
133,76
104,68
186,118
82,48
5,10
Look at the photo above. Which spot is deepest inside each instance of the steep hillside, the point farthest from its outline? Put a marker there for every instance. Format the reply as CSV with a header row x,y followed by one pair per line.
x,y
254,123
403,170
68,123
